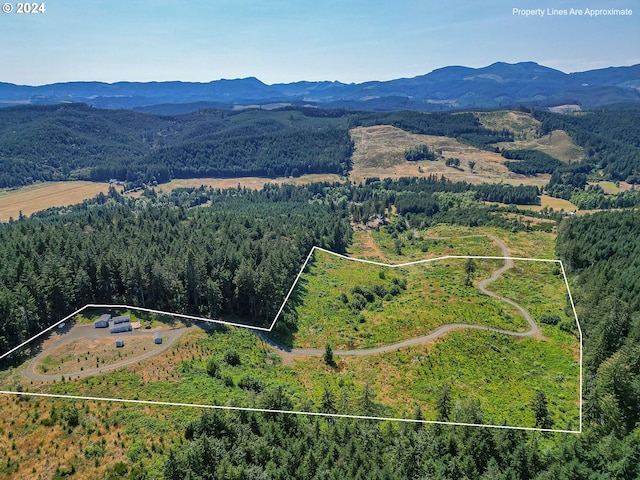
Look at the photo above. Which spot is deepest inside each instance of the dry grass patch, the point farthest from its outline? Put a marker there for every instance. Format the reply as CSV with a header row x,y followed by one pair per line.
x,y
522,124
163,368
558,144
35,198
610,188
545,201
248,182
555,203
379,152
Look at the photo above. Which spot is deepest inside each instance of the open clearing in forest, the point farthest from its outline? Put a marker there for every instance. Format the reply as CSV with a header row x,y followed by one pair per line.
x,y
35,198
379,152
72,358
558,143
497,371
556,204
248,182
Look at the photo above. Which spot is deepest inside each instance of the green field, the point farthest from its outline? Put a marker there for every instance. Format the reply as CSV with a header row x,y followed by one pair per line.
x,y
500,373
401,302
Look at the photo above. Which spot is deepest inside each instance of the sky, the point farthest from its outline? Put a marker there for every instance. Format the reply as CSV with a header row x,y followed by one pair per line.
x,y
282,41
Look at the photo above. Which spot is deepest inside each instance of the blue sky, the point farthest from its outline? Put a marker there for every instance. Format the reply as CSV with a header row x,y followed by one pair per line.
x,y
284,41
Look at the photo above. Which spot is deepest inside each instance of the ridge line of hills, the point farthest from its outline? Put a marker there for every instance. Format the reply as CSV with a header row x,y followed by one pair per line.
x,y
449,88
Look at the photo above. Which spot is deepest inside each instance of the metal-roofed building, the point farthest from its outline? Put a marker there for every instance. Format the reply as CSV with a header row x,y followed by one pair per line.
x,y
102,321
121,319
123,327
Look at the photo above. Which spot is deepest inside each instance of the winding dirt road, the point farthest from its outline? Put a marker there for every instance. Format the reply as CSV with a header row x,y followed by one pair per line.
x,y
439,332
170,336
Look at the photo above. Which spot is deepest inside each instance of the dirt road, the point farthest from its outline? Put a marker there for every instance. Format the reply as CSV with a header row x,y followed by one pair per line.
x,y
439,332
80,332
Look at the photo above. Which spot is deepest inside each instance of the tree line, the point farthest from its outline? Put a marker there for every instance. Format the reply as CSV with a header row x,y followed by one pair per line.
x,y
530,162
239,255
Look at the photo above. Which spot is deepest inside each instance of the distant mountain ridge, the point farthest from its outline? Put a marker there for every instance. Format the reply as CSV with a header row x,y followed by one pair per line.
x,y
455,87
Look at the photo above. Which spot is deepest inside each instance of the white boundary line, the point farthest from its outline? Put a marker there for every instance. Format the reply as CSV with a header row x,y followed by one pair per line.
x,y
266,410
263,329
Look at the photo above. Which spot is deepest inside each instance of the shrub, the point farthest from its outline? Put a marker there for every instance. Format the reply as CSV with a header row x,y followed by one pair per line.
x,y
358,302
213,369
228,381
379,290
232,357
254,384
549,319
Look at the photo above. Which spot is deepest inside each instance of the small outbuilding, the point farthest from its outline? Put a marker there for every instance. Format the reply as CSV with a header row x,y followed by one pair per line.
x,y
157,338
102,321
119,343
121,319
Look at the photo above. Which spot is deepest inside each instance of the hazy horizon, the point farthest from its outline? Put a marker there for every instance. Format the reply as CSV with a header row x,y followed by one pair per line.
x,y
296,81
285,42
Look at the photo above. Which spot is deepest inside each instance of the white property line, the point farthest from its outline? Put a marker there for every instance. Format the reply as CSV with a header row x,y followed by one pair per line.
x,y
266,410
264,329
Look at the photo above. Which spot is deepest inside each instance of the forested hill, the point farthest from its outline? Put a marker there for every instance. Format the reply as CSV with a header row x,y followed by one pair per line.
x,y
238,256
76,141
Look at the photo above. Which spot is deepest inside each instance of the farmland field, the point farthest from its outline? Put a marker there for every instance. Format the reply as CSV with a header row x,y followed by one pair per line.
x,y
35,198
248,182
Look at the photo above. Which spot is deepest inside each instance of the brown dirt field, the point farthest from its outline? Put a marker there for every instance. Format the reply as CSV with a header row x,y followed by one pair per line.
x,y
249,182
628,186
379,152
35,198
